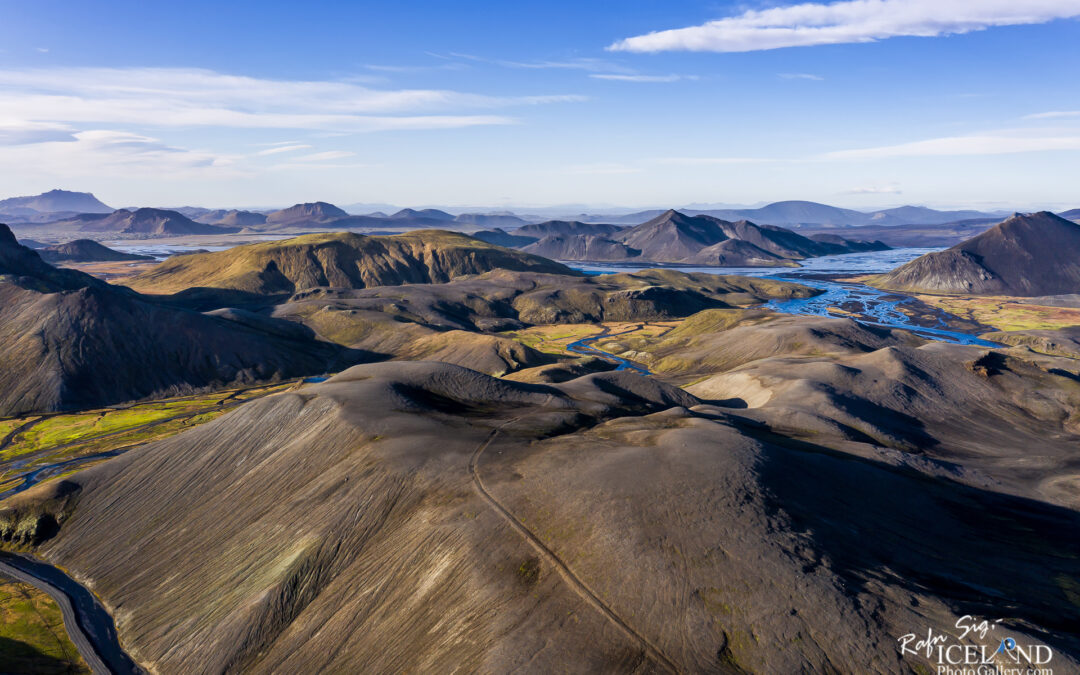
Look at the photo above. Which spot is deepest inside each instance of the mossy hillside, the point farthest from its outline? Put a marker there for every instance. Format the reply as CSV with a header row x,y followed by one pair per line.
x,y
339,259
32,635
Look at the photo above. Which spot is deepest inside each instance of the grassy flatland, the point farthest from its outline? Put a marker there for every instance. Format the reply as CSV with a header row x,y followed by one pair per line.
x,y
1003,312
553,339
47,439
32,635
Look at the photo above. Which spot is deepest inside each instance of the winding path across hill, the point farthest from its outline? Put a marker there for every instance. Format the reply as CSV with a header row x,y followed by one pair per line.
x,y
87,623
572,580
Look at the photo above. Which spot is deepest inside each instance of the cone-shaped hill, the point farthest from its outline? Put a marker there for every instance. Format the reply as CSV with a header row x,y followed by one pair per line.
x,y
87,250
342,260
1025,255
68,340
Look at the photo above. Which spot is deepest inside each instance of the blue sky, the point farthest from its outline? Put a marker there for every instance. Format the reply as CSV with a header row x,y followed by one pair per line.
x,y
634,103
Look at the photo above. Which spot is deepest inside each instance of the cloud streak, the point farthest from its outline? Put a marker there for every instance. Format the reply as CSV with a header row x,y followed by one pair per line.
x,y
171,97
992,143
851,21
618,77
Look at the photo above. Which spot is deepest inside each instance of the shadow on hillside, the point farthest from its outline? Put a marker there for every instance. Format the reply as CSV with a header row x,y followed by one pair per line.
x,y
982,553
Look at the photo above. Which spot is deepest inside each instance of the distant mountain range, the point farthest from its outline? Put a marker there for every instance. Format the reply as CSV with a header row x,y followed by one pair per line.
x,y
146,221
53,201
675,237
1025,255
797,214
900,226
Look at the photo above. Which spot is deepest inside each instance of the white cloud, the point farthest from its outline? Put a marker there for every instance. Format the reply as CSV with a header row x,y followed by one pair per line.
x,y
991,143
801,76
892,189
172,97
1054,114
706,161
21,132
43,50
100,152
641,78
325,156
851,21
283,148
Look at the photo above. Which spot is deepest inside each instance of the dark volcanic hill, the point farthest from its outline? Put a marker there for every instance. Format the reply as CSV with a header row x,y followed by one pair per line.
x,y
1026,255
55,201
422,214
68,340
146,221
501,237
1071,214
493,220
341,259
674,237
231,218
581,247
566,227
87,250
313,212
421,517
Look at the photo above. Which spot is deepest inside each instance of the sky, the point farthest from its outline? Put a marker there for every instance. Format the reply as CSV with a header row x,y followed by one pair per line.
x,y
632,103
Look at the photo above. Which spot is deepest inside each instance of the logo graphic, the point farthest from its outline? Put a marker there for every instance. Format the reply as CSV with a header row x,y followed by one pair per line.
x,y
996,656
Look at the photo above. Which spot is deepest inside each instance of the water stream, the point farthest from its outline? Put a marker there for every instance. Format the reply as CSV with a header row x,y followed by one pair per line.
x,y
861,302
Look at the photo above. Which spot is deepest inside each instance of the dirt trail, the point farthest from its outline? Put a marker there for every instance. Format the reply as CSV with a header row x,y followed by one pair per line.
x,y
571,579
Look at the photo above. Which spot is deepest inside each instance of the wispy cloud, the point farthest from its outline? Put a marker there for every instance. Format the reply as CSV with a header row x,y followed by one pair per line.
x,y
891,189
706,161
325,156
1053,114
851,21
618,77
167,97
112,153
991,143
22,132
43,50
283,148
801,76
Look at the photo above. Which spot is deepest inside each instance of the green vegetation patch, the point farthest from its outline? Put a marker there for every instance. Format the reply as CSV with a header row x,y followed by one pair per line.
x,y
32,635
1004,313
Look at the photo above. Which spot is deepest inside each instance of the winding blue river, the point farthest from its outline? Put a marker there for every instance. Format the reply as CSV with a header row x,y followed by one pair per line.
x,y
872,306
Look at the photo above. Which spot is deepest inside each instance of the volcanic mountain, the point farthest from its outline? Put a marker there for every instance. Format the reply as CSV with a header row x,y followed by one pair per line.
x,y
342,259
230,218
555,228
86,250
422,214
68,340
313,212
581,247
493,220
412,517
54,201
674,237
1025,255
146,221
